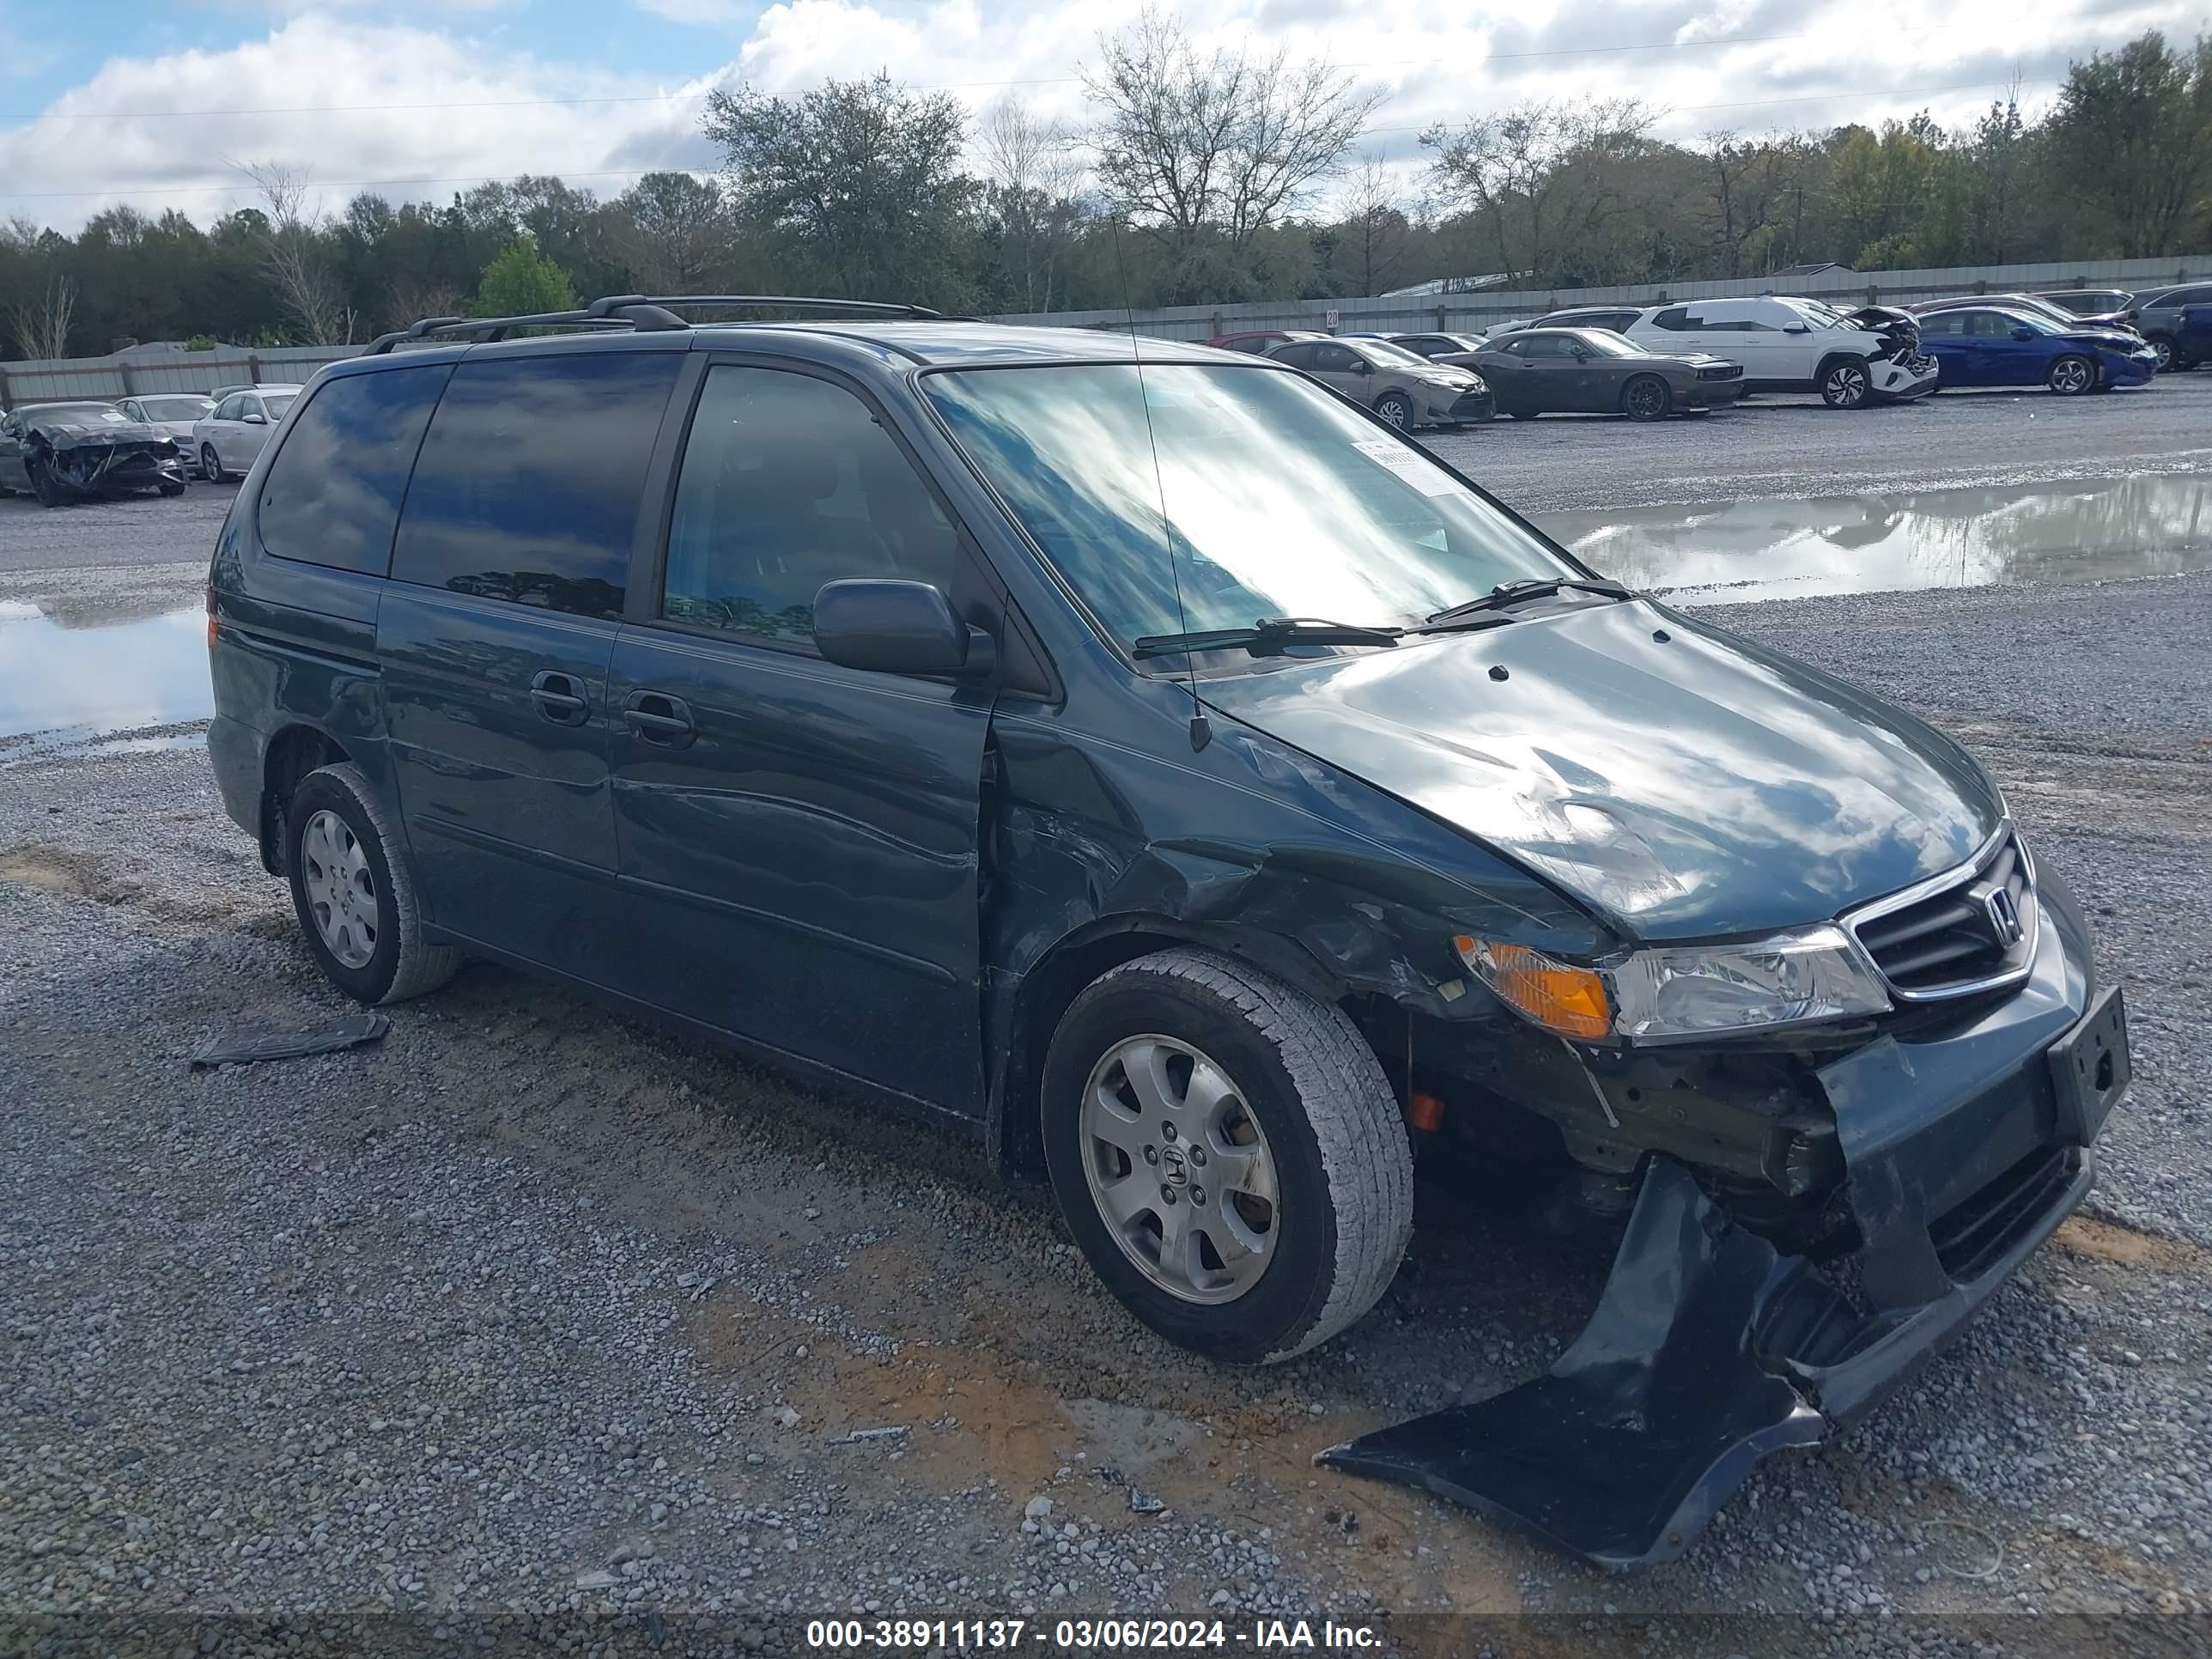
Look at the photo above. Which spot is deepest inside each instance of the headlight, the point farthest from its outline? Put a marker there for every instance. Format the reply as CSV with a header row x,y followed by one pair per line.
x,y
1672,991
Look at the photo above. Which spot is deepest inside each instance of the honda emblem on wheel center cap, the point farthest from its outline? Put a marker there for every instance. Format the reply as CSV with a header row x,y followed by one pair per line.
x,y
1171,1166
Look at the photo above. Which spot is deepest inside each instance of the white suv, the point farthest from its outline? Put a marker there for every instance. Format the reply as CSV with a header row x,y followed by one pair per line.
x,y
1796,345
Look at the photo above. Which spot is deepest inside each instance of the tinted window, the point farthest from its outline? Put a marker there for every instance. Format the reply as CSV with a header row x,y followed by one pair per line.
x,y
788,482
332,495
1677,318
1335,359
1943,323
1297,356
1549,345
527,488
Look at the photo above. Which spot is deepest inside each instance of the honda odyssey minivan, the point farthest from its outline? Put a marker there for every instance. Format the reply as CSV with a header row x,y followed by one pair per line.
x,y
1147,759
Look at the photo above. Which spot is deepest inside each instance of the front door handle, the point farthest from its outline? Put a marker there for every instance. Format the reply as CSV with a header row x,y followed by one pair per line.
x,y
559,698
658,718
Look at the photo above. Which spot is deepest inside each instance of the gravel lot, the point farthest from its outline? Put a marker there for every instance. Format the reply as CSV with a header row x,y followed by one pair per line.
x,y
532,1310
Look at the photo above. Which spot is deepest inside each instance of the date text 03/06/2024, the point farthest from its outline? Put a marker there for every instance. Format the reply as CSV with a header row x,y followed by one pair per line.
x,y
1088,1635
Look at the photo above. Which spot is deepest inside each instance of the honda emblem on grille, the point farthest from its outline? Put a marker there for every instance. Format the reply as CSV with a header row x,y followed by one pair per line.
x,y
2004,917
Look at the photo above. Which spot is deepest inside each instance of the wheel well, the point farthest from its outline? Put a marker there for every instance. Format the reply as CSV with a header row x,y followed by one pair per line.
x,y
291,754
1832,360
1055,982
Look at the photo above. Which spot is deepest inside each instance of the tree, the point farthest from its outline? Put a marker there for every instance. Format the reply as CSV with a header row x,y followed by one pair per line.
x,y
523,283
2131,138
41,320
1368,244
1543,175
860,179
1205,152
674,231
292,247
1033,172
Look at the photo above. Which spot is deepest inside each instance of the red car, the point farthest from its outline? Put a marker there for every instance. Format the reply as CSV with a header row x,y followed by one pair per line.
x,y
1257,340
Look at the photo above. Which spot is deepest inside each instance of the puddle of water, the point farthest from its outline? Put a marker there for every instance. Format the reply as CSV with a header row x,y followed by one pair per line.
x,y
1733,552
82,682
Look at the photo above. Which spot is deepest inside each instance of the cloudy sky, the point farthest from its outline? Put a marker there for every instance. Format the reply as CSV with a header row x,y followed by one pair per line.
x,y
110,100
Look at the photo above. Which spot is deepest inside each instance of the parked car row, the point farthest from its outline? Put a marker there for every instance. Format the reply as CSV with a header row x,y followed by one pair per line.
x,y
1654,360
85,447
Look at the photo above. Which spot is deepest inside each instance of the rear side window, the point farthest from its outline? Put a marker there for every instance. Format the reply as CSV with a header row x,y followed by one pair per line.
x,y
1676,317
332,495
528,483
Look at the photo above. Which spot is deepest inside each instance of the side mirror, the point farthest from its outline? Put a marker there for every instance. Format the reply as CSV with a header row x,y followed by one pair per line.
x,y
897,628
1796,328
252,419
2023,333
1582,353
1364,368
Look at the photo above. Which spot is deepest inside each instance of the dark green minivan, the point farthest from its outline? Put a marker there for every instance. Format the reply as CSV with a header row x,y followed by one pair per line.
x,y
1143,757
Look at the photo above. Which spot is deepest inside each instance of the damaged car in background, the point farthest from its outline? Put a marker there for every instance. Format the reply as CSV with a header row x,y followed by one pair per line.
x,y
1201,843
75,451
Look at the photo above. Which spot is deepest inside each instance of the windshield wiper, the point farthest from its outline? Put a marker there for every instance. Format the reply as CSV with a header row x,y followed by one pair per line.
x,y
1508,594
1266,637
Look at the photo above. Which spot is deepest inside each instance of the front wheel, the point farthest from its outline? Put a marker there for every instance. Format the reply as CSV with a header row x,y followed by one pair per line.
x,y
1396,408
210,466
170,488
353,892
2072,375
1647,397
2162,346
1845,385
42,485
1227,1153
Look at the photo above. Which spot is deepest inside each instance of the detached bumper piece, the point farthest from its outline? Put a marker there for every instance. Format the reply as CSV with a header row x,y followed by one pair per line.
x,y
1710,1348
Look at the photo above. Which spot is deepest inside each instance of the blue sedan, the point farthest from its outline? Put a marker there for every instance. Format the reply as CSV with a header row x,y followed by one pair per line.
x,y
1996,345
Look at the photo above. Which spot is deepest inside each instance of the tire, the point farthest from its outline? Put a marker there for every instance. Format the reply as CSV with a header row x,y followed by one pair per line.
x,y
1523,414
2167,355
2071,375
170,488
1396,410
1845,384
331,816
1306,1102
1647,397
210,467
42,485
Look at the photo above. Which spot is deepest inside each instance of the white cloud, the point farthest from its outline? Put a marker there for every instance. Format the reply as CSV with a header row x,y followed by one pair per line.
x,y
454,107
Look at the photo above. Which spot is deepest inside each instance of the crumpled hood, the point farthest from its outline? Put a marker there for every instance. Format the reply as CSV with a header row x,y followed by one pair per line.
x,y
1695,788
65,435
2109,339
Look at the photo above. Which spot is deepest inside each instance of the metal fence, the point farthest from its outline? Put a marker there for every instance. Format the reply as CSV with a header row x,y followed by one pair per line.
x,y
128,375
132,375
1483,307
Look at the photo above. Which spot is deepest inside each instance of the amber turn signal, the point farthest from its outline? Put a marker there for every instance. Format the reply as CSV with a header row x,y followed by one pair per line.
x,y
1558,995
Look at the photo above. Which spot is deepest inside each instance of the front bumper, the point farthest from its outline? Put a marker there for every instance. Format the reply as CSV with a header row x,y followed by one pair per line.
x,y
1709,394
2129,367
1709,1347
91,469
1914,375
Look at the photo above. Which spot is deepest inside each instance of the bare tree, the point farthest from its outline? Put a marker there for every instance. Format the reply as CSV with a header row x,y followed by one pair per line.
x,y
1197,147
1375,227
1543,175
1034,170
40,321
291,251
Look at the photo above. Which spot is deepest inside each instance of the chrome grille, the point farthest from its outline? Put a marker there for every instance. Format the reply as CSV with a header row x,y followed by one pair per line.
x,y
1953,935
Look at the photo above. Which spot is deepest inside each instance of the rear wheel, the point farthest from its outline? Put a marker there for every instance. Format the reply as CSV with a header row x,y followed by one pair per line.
x,y
1845,384
1647,397
2073,374
353,892
1228,1154
1396,408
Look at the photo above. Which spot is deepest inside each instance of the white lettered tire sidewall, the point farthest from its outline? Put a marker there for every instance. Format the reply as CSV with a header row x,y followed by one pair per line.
x,y
404,965
1343,1163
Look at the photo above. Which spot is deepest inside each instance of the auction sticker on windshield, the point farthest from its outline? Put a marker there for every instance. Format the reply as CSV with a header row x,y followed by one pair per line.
x,y
1411,465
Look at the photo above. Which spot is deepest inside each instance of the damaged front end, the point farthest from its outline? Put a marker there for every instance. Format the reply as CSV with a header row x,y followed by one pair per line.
x,y
1960,1149
72,459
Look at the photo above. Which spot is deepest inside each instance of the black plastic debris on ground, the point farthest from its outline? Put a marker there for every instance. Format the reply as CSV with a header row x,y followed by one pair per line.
x,y
351,1032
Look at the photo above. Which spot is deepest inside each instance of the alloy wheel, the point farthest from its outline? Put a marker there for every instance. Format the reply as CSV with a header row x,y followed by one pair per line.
x,y
1178,1168
2071,374
341,889
1846,386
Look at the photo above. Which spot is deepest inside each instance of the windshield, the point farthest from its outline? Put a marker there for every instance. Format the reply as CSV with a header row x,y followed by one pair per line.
x,y
1390,351
1605,344
175,409
2025,318
1819,315
1282,502
277,402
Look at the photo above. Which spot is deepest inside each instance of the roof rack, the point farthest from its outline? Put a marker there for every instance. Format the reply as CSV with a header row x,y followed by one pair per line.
x,y
633,310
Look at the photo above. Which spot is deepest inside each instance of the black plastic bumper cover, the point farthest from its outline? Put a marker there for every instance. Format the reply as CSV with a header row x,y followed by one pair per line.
x,y
1709,1348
